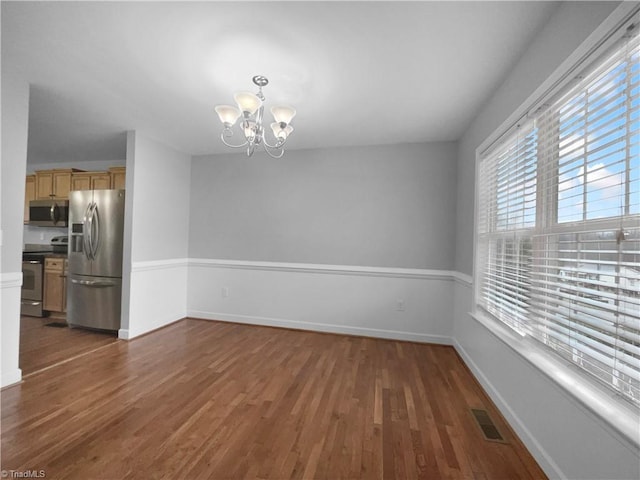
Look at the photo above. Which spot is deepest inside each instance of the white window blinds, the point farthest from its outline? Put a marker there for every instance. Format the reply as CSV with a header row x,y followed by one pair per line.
x,y
506,218
558,254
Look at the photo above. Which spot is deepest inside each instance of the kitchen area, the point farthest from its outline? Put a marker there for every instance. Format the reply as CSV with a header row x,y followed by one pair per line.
x,y
71,263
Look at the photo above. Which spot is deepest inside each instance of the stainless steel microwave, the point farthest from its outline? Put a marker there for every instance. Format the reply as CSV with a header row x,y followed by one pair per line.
x,y
49,213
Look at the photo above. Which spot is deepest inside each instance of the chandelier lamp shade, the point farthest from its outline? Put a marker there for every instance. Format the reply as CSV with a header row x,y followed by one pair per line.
x,y
250,110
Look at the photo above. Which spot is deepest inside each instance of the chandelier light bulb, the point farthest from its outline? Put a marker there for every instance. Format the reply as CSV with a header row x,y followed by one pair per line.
x,y
247,102
228,114
283,114
279,132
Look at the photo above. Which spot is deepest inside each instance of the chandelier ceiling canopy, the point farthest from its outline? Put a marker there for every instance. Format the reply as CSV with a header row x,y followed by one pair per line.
x,y
250,106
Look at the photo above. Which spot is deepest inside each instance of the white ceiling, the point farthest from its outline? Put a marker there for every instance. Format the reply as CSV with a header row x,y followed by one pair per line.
x,y
359,73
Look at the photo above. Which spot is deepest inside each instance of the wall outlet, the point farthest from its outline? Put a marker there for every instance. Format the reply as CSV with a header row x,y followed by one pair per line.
x,y
225,292
400,305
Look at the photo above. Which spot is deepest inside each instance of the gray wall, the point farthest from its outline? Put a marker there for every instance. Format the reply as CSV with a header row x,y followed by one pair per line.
x,y
387,206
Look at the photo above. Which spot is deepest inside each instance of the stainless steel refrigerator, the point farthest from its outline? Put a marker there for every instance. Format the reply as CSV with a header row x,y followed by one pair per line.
x,y
94,287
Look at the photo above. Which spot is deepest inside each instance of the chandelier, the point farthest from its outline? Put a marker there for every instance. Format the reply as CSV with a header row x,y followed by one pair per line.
x,y
251,109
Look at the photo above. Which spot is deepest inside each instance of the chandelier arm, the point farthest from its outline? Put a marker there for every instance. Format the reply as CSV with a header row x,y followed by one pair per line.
x,y
278,144
246,142
267,149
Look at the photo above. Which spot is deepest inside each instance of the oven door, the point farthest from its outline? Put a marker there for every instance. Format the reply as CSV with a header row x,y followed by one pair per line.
x,y
31,294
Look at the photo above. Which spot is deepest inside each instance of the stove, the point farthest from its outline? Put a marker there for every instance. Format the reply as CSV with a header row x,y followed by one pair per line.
x,y
33,255
56,245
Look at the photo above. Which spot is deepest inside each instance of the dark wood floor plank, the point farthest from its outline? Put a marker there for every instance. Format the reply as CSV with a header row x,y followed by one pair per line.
x,y
42,346
203,399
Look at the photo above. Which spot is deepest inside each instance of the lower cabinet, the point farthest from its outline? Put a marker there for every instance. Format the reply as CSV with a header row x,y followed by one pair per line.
x,y
55,285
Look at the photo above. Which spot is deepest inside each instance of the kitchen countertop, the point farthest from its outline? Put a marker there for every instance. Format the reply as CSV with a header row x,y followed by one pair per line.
x,y
35,251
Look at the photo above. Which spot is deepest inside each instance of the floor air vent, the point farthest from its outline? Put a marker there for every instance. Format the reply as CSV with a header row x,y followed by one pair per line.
x,y
489,430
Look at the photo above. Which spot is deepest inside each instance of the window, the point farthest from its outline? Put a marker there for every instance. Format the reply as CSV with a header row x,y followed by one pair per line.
x,y
558,225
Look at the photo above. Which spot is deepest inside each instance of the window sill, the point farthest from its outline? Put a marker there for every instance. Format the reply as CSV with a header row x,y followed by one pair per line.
x,y
613,412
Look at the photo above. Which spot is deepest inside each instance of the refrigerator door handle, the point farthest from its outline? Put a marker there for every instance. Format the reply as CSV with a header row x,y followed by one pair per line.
x,y
86,232
95,242
93,283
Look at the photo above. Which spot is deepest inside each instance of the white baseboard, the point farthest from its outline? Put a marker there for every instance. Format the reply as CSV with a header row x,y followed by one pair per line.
x,y
123,334
10,378
323,327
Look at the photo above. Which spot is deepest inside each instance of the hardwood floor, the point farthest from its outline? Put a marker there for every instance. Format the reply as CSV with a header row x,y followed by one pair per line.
x,y
210,400
42,346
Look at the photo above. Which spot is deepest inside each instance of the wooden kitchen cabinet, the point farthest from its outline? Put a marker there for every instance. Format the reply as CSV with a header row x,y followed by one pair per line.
x,y
90,181
29,194
54,183
44,184
57,183
118,177
80,181
102,181
55,285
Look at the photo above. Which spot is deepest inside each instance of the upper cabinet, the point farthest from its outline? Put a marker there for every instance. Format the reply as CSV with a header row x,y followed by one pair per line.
x,y
91,181
53,183
118,176
57,183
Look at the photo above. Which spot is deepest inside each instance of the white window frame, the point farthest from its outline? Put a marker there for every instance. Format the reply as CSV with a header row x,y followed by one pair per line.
x,y
616,414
